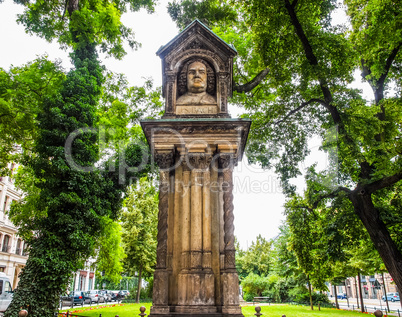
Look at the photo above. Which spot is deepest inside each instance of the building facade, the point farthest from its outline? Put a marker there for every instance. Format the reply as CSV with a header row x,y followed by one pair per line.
x,y
372,286
12,248
84,280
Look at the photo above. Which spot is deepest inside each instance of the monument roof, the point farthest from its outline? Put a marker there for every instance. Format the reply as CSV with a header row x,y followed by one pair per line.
x,y
196,23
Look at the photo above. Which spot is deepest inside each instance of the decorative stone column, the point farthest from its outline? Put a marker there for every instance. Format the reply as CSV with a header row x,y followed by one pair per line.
x,y
161,277
196,279
230,279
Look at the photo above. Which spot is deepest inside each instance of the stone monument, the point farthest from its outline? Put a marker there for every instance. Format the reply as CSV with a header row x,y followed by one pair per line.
x,y
196,146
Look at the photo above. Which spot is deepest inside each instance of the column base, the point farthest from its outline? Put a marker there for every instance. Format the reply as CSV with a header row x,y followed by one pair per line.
x,y
230,290
161,288
196,288
159,311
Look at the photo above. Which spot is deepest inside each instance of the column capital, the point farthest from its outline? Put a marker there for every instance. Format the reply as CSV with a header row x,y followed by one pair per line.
x,y
199,161
227,160
164,160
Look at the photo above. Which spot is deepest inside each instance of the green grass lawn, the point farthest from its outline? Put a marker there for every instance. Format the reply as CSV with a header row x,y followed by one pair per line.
x,y
132,310
297,311
110,310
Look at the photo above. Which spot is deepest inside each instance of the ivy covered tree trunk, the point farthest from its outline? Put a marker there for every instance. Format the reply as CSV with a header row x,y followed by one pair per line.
x,y
71,199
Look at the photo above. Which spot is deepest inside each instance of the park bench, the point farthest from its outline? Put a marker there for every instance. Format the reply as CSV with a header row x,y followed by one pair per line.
x,y
262,299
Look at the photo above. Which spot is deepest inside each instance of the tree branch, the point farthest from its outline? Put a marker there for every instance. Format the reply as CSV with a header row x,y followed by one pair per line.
x,y
312,59
299,108
252,83
331,195
294,4
383,183
389,62
300,33
72,6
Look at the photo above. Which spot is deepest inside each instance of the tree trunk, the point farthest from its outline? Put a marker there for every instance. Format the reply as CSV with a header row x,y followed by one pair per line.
x,y
346,291
360,293
357,293
336,297
379,234
139,285
311,296
73,5
385,291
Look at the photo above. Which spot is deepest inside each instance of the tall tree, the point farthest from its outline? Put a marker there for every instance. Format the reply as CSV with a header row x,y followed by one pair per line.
x,y
74,199
139,222
309,64
109,252
256,259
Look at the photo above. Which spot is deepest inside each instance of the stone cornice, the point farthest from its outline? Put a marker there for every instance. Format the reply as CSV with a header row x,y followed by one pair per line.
x,y
179,132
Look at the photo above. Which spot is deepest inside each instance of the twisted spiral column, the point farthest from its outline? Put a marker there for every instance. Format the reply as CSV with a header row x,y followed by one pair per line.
x,y
161,285
164,161
226,164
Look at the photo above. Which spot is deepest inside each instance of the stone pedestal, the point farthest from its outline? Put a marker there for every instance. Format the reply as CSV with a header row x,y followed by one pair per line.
x,y
196,146
196,272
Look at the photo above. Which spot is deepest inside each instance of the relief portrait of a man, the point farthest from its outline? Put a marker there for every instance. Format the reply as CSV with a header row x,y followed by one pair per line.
x,y
196,84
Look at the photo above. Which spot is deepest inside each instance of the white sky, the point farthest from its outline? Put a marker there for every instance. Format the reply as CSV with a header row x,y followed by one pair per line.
x,y
257,195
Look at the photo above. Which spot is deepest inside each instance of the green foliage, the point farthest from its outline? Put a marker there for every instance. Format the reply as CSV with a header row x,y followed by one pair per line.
x,y
254,285
120,109
125,282
97,22
69,208
22,91
185,11
110,253
148,291
70,202
307,91
256,259
139,223
302,296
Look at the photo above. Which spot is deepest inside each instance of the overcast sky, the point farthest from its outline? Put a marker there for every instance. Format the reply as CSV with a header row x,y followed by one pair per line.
x,y
257,196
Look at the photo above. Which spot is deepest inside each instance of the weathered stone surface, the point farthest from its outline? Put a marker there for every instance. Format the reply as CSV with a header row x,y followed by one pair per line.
x,y
196,145
197,44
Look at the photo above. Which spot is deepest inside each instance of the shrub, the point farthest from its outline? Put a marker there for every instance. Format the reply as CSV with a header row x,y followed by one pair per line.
x,y
300,295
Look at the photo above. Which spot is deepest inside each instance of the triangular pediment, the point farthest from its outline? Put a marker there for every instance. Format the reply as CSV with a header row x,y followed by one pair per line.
x,y
195,36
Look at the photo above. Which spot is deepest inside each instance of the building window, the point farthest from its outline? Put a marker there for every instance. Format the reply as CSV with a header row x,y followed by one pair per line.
x,y
18,248
24,249
6,242
5,204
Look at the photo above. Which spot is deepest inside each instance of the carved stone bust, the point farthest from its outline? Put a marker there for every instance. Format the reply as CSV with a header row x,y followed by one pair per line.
x,y
197,74
196,84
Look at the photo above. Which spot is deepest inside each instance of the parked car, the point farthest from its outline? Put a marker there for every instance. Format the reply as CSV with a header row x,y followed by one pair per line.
x,y
392,297
76,298
96,296
116,296
124,293
6,292
107,295
342,296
